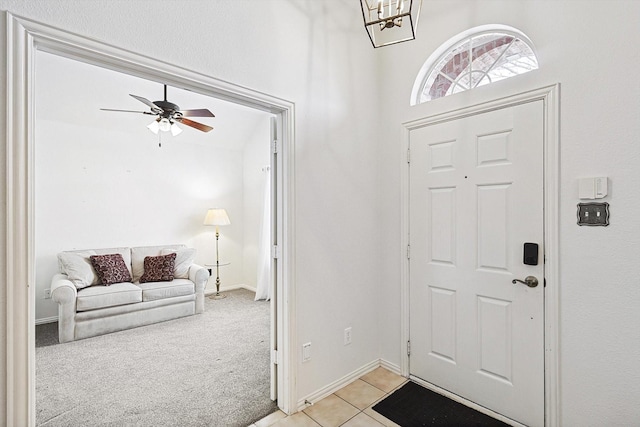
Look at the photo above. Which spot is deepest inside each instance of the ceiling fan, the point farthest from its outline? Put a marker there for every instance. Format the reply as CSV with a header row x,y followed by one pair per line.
x,y
168,113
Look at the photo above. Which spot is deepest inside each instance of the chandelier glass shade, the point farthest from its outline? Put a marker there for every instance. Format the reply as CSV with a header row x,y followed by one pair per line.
x,y
390,21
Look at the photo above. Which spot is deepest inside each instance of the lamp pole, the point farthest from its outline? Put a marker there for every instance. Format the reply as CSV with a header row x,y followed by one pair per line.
x,y
217,266
217,217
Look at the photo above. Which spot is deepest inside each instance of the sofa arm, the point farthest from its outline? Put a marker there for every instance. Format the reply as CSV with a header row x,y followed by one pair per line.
x,y
64,292
199,276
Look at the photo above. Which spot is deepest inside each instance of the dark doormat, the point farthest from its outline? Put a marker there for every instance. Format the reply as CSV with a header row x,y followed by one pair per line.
x,y
414,406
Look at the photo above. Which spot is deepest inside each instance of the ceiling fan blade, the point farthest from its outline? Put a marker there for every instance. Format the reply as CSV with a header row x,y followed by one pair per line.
x,y
153,106
196,125
202,112
128,111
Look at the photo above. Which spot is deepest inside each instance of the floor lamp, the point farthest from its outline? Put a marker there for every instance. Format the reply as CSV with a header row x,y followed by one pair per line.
x,y
217,217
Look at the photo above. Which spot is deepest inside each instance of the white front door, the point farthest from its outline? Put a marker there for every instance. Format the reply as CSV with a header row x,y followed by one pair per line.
x,y
476,196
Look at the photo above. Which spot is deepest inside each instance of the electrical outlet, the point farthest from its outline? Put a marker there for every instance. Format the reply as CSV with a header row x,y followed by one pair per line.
x,y
347,336
306,352
47,294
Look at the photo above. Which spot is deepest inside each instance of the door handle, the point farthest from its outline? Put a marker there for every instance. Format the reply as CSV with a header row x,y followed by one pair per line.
x,y
530,281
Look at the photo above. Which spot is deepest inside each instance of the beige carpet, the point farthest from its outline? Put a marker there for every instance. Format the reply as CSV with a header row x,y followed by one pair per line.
x,y
210,369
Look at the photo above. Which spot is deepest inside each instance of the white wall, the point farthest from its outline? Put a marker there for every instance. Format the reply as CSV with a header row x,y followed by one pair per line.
x,y
588,47
317,55
347,202
103,181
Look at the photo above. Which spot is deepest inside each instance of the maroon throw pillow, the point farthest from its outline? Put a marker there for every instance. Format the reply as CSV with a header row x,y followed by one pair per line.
x,y
110,268
159,268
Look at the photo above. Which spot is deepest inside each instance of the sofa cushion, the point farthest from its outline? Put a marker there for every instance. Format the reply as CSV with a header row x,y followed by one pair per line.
x,y
158,268
95,297
124,252
110,268
184,258
77,266
138,254
158,290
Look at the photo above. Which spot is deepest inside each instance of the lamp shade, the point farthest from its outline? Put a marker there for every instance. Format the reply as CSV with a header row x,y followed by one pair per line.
x,y
216,216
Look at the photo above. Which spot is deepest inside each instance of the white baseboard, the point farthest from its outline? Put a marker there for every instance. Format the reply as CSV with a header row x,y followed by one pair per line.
x,y
208,292
344,381
46,320
391,367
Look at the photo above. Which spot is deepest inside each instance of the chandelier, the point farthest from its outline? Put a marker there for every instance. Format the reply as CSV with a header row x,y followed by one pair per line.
x,y
390,21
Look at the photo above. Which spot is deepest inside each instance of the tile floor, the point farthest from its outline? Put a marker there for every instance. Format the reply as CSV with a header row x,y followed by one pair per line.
x,y
348,407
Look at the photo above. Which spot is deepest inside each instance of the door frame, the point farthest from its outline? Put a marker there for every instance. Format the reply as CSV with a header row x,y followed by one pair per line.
x,y
550,95
22,38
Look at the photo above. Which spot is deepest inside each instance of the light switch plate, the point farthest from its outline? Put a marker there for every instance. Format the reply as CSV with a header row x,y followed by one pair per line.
x,y
593,214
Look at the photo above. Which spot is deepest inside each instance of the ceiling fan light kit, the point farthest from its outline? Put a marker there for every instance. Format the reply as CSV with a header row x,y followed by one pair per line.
x,y
175,130
164,125
154,127
168,114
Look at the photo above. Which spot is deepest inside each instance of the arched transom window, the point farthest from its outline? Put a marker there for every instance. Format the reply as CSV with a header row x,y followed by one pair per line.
x,y
482,58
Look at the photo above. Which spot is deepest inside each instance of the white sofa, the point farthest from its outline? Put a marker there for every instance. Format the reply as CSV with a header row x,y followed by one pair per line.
x,y
87,308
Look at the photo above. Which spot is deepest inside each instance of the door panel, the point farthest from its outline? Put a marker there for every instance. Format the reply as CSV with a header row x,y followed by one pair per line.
x,y
442,231
476,196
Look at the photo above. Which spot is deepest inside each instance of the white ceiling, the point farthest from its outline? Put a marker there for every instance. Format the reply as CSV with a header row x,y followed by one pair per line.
x,y
73,92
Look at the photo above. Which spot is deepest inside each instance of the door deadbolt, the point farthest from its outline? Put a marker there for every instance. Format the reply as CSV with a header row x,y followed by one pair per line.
x,y
530,281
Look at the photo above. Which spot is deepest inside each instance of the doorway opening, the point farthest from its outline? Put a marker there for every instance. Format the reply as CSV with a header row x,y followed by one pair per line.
x,y
92,164
24,39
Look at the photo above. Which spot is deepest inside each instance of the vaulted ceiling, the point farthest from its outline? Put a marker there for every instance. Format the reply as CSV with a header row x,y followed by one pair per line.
x,y
73,92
